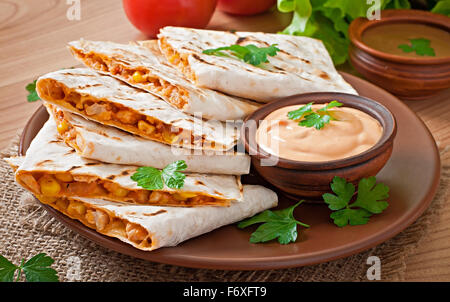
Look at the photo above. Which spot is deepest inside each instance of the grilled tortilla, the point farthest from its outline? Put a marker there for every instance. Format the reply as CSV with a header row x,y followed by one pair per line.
x,y
53,169
111,102
303,64
108,144
145,67
151,227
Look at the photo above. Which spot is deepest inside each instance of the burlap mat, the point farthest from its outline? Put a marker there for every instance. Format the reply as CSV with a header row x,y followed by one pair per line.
x,y
26,230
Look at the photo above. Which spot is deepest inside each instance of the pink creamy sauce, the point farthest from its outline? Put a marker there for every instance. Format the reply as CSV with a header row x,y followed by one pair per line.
x,y
352,133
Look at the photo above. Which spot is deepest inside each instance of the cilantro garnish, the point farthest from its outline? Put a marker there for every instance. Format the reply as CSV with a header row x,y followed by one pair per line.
x,y
151,178
37,269
370,200
279,224
421,46
251,54
32,94
308,118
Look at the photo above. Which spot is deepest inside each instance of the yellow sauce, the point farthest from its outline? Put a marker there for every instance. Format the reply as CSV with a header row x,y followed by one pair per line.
x,y
352,133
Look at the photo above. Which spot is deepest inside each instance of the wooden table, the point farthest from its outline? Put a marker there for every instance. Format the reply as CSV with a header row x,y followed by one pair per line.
x,y
33,35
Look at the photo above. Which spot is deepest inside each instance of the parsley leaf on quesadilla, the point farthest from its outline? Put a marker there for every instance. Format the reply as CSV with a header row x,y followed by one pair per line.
x,y
370,200
32,94
151,178
279,224
251,54
316,119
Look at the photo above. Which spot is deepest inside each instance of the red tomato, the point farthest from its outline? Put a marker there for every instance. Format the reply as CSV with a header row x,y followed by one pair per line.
x,y
150,15
245,7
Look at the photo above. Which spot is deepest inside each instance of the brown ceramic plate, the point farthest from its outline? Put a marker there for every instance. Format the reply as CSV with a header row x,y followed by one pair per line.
x,y
412,173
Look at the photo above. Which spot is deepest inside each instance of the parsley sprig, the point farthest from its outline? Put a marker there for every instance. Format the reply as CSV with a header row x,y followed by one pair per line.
x,y
370,199
32,94
251,54
307,117
421,46
151,178
279,224
37,269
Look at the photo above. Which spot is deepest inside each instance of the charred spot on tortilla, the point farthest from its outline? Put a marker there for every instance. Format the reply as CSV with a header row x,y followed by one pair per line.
x,y
70,151
44,162
156,213
93,163
241,40
324,75
198,182
73,168
125,173
53,141
111,177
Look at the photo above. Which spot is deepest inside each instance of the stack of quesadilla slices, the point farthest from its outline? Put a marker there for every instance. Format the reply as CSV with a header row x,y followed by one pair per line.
x,y
141,108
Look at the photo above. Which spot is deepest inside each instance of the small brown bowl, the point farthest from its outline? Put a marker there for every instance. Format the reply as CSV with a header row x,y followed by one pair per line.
x,y
407,77
312,179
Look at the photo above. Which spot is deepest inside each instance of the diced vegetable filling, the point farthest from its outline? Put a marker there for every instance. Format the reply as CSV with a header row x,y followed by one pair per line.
x,y
66,185
100,220
175,95
111,113
176,59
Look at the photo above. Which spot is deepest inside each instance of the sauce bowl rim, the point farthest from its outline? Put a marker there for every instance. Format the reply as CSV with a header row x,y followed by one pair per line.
x,y
390,16
369,106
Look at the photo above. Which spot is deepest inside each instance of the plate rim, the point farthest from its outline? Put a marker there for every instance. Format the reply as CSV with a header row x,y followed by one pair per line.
x,y
263,263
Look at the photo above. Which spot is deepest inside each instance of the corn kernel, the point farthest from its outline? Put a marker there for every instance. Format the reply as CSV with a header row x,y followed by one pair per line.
x,y
184,196
76,208
62,127
64,177
169,137
115,189
49,186
138,77
146,127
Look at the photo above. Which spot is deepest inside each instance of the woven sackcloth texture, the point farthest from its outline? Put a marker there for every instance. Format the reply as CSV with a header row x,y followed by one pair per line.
x,y
26,230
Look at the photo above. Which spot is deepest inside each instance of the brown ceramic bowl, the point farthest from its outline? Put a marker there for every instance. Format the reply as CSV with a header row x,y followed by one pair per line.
x,y
408,78
312,179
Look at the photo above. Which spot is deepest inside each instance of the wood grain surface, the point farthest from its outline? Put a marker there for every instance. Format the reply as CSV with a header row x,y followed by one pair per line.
x,y
33,35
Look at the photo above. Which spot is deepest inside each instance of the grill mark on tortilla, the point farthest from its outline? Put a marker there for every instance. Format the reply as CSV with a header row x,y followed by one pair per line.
x,y
43,162
73,168
53,141
218,193
241,40
93,164
70,152
111,177
156,213
198,182
195,56
125,173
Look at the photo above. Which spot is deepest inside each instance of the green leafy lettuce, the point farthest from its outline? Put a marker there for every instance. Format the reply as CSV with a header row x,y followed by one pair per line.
x,y
328,20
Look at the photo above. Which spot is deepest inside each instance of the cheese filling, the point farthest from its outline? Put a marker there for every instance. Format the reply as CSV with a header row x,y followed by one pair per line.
x,y
176,96
102,221
68,185
110,113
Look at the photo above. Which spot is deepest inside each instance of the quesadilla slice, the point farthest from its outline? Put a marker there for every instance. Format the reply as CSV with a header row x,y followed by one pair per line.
x,y
302,65
151,227
145,67
53,169
112,102
108,144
